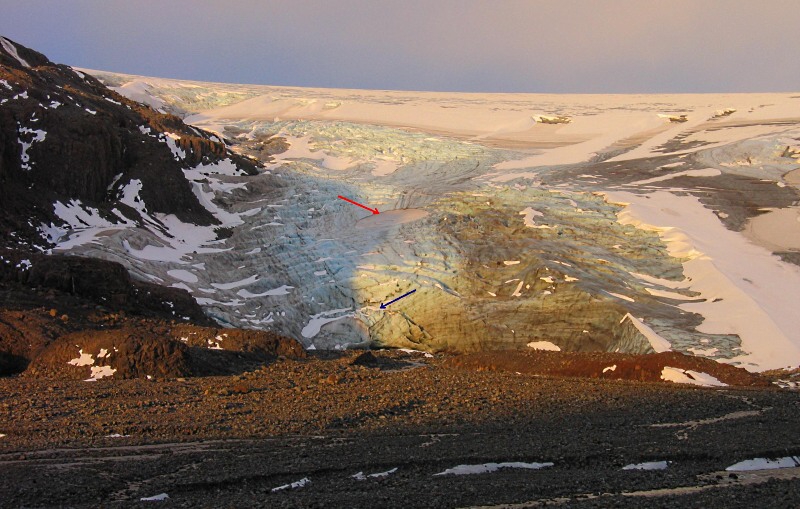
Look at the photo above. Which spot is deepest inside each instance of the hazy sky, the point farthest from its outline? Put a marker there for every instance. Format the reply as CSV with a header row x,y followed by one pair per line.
x,y
461,45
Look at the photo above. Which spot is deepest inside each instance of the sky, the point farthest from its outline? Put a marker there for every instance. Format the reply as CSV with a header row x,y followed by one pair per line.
x,y
548,46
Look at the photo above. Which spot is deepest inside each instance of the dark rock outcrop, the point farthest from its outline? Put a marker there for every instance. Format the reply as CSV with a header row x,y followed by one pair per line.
x,y
102,282
123,325
122,353
82,344
65,136
151,349
264,344
25,334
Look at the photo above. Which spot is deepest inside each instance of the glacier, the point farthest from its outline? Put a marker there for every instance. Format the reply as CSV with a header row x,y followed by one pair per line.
x,y
591,215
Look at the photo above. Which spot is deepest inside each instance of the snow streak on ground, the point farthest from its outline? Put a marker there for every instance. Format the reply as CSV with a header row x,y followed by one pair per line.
x,y
292,486
649,465
765,464
486,468
155,498
378,475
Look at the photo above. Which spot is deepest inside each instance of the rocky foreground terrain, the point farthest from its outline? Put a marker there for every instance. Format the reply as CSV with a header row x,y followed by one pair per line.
x,y
213,417
381,429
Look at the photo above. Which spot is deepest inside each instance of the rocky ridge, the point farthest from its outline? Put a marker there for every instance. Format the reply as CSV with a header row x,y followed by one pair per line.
x,y
74,154
68,139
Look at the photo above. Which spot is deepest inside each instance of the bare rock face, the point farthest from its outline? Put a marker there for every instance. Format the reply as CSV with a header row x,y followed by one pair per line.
x,y
44,298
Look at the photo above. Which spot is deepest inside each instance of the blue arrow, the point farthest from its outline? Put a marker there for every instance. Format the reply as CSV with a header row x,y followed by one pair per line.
x,y
383,306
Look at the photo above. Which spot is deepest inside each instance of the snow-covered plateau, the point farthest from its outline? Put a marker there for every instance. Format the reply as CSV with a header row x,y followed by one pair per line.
x,y
611,228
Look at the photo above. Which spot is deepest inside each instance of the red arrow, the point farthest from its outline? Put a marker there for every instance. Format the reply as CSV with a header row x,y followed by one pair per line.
x,y
374,211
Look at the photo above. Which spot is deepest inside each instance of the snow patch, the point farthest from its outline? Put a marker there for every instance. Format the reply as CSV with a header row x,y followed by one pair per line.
x,y
765,464
658,343
620,296
221,167
139,91
236,284
12,50
544,345
183,275
745,290
706,172
155,498
282,290
409,350
85,359
649,465
708,352
83,224
171,140
38,136
688,376
129,195
99,372
361,477
529,214
314,325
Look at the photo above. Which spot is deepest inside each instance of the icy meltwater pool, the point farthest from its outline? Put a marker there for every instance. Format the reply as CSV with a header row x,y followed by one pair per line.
x,y
390,218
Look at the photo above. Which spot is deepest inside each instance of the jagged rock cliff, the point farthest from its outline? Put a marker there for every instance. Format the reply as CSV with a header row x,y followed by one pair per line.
x,y
65,137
